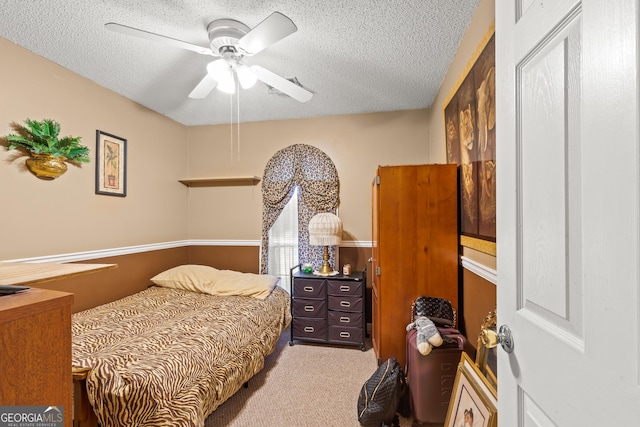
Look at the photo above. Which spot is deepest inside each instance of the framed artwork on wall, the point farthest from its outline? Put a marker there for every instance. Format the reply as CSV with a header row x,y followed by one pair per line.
x,y
470,134
111,164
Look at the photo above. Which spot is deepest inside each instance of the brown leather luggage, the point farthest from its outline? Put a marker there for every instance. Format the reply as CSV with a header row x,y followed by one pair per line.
x,y
431,377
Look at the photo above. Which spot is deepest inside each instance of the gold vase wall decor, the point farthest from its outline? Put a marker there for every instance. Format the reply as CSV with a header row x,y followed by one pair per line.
x,y
46,166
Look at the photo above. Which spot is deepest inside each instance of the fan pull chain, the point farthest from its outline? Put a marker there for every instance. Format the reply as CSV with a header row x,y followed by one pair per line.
x,y
231,126
238,119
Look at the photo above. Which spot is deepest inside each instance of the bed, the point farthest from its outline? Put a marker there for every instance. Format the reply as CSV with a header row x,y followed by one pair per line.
x,y
171,354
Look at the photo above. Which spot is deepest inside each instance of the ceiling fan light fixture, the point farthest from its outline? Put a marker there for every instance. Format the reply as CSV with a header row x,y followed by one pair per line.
x,y
228,84
246,76
218,69
221,71
225,32
231,41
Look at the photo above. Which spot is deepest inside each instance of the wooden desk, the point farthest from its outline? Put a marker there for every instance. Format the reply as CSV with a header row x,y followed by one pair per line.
x,y
35,350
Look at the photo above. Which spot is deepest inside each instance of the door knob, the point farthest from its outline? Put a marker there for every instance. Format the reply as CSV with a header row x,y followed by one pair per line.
x,y
491,338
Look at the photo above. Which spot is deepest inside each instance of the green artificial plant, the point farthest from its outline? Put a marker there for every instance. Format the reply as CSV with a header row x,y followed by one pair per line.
x,y
42,137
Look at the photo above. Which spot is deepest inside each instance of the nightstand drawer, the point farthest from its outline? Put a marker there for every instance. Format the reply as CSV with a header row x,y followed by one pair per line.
x,y
303,307
309,288
340,287
345,318
345,303
309,329
345,334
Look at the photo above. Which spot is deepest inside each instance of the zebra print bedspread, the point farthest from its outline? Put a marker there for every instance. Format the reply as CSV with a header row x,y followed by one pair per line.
x,y
169,357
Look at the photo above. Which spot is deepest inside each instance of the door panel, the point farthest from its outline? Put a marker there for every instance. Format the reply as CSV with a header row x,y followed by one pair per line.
x,y
550,179
568,211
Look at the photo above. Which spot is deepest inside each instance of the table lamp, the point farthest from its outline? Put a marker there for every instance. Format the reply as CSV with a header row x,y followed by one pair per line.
x,y
325,229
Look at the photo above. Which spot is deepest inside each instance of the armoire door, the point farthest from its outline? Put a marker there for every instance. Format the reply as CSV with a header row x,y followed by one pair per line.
x,y
415,246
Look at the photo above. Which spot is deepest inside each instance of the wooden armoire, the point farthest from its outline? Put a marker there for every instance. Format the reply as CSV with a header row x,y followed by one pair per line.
x,y
415,248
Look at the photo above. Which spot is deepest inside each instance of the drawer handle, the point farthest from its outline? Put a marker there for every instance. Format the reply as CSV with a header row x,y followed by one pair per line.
x,y
345,304
344,319
309,329
345,288
308,288
309,308
345,335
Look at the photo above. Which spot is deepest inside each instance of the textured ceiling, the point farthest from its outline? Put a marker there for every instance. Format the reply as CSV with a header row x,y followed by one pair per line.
x,y
357,56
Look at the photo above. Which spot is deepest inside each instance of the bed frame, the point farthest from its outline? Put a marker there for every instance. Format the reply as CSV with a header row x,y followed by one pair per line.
x,y
277,316
83,415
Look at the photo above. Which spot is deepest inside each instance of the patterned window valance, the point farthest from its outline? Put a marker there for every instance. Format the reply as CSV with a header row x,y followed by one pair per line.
x,y
316,176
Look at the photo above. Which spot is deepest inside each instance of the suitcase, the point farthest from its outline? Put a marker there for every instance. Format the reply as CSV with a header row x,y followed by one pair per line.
x,y
431,377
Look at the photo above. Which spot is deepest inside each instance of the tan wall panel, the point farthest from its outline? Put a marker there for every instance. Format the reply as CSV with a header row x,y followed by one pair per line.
x,y
134,270
356,144
132,275
239,258
65,215
358,258
247,258
478,299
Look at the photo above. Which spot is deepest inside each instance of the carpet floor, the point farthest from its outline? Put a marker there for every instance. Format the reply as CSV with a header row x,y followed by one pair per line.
x,y
304,385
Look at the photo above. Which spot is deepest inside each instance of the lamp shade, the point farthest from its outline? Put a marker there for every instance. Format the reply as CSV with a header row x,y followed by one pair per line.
x,y
325,229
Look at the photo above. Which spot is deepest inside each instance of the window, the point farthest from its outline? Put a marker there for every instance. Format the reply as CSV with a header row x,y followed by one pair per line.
x,y
283,242
306,173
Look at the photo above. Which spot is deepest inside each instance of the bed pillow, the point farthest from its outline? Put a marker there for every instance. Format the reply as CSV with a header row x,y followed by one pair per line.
x,y
195,278
209,280
229,282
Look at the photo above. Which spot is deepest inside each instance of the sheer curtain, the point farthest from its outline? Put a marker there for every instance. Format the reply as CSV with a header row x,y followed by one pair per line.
x,y
283,242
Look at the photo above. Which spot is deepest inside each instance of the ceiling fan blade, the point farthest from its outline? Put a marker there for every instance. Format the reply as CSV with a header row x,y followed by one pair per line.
x,y
274,28
202,89
283,85
119,28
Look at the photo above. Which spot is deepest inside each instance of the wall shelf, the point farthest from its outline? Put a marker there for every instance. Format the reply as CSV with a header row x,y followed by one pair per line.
x,y
219,182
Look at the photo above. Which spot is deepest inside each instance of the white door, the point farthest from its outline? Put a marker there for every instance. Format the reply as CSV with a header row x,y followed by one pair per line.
x,y
568,212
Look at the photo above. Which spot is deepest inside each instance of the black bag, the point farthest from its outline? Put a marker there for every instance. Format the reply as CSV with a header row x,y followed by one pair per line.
x,y
381,394
439,310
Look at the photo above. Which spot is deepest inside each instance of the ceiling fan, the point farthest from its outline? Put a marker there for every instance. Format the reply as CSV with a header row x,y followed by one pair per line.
x,y
231,41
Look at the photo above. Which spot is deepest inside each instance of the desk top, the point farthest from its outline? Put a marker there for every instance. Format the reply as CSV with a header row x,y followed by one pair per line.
x,y
28,273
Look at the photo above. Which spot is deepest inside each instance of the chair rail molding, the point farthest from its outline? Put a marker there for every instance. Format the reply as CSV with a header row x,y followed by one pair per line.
x,y
127,250
481,270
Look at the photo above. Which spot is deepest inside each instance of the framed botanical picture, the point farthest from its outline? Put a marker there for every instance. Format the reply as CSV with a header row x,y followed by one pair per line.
x,y
111,164
473,401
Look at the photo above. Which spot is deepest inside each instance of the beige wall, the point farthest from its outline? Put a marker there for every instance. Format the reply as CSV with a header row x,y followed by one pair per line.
x,y
65,215
479,27
357,144
42,218
478,296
